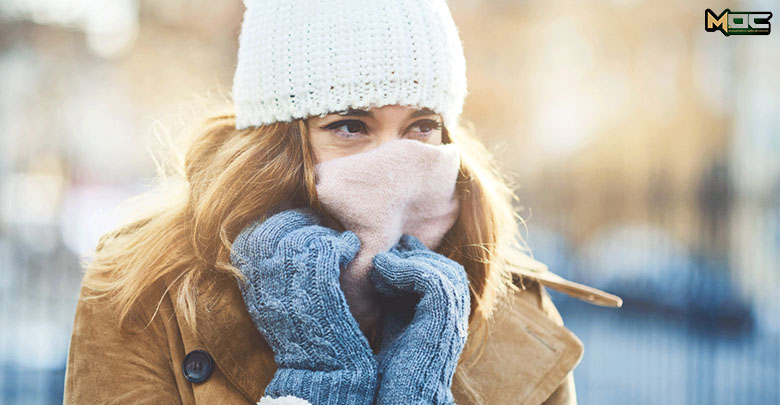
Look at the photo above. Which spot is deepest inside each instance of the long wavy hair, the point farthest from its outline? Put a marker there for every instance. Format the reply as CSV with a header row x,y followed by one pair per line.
x,y
223,178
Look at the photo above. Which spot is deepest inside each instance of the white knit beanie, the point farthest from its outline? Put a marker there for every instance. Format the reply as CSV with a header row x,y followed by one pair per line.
x,y
298,58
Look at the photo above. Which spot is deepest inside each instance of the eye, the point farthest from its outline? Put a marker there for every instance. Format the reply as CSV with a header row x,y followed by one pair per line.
x,y
426,127
346,128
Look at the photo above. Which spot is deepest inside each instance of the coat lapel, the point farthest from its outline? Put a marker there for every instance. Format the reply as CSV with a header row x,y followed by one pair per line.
x,y
527,354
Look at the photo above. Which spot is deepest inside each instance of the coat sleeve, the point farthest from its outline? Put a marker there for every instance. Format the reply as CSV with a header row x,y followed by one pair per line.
x,y
107,366
285,400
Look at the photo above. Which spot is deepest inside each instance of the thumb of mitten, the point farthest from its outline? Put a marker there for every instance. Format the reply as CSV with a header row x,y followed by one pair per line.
x,y
391,274
348,247
409,243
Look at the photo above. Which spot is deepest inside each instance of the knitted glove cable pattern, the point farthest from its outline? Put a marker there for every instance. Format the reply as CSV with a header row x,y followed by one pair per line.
x,y
293,296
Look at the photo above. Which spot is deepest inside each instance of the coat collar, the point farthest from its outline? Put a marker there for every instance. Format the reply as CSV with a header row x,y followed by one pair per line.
x,y
536,270
527,354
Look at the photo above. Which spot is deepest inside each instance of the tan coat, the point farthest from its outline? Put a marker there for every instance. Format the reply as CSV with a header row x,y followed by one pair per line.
x,y
528,359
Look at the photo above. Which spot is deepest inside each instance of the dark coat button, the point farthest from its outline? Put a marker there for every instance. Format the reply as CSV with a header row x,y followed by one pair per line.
x,y
197,366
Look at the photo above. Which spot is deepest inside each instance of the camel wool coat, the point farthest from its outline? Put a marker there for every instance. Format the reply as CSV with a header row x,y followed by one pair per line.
x,y
528,359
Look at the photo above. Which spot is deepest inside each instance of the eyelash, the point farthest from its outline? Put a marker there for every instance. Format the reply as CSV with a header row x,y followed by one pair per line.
x,y
433,124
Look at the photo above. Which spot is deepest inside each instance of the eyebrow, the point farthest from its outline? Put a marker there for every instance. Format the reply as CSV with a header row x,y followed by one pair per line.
x,y
365,113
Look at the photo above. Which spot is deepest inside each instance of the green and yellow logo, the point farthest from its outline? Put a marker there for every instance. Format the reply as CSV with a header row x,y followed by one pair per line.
x,y
738,22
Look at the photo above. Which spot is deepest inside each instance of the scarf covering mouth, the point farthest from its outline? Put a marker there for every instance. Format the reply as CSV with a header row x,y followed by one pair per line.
x,y
400,187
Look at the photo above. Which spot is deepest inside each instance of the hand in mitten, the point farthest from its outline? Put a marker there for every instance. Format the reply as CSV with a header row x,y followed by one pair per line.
x,y
293,295
419,353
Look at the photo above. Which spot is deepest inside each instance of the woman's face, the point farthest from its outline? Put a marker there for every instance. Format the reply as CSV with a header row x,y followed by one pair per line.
x,y
353,131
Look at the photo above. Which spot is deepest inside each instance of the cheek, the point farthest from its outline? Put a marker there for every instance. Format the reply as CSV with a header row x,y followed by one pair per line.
x,y
326,148
436,138
321,146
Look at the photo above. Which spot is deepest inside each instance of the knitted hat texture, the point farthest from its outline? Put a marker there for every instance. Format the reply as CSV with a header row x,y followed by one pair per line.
x,y
299,58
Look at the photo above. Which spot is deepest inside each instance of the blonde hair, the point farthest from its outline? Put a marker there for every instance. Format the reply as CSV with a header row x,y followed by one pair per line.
x,y
228,178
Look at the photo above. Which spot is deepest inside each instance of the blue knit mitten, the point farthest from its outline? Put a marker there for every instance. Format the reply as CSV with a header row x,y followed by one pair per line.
x,y
294,297
427,306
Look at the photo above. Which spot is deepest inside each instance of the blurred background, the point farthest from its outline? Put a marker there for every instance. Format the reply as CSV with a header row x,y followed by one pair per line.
x,y
645,152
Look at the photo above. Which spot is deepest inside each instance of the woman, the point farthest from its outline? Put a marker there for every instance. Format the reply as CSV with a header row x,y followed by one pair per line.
x,y
258,277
